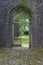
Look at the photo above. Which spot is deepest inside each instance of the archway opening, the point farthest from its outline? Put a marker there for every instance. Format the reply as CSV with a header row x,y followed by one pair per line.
x,y
21,30
21,17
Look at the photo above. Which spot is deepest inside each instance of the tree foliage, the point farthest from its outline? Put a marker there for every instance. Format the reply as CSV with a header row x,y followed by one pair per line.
x,y
25,12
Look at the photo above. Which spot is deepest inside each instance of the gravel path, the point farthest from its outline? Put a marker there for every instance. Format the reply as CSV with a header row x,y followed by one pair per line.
x,y
20,56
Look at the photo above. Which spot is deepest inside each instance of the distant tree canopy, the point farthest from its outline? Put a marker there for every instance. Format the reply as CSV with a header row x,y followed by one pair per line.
x,y
24,1
24,12
22,25
21,17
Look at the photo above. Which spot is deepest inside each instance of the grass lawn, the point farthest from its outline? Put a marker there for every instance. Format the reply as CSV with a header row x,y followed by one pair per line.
x,y
24,39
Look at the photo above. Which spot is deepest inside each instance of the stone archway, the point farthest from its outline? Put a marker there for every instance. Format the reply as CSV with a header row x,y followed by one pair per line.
x,y
5,22
16,10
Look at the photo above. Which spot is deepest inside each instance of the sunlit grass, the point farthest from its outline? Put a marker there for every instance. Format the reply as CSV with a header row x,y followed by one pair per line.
x,y
24,39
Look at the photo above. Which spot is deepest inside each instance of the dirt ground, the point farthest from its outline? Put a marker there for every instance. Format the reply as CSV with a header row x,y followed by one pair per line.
x,y
21,56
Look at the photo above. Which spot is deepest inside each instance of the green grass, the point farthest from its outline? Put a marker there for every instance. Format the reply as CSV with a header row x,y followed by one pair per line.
x,y
2,49
24,39
40,51
29,56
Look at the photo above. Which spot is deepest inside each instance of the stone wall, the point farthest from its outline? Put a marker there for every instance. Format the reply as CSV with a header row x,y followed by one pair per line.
x,y
2,20
37,32
6,37
40,25
36,28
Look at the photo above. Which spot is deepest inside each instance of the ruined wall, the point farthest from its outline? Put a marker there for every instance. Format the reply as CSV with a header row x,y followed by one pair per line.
x,y
39,13
6,37
2,21
36,28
